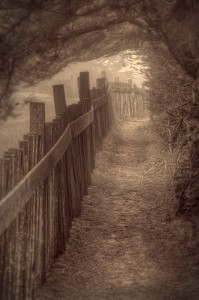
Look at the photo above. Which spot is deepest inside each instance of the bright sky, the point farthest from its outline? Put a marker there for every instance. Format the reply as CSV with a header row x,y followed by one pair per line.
x,y
114,66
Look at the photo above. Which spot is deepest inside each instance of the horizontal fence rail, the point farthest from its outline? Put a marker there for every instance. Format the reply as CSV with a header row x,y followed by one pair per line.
x,y
82,123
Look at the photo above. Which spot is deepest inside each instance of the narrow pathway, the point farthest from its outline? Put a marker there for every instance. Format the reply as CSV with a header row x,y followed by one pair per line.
x,y
125,244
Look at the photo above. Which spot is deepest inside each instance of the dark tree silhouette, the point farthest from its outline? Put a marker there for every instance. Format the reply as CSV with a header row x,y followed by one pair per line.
x,y
38,38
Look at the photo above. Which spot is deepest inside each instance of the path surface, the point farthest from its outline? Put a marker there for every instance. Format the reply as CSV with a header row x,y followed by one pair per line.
x,y
125,244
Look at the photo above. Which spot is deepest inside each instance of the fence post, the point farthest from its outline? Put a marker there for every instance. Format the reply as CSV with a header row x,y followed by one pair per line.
x,y
98,83
84,86
93,92
59,98
37,122
37,206
37,117
1,177
101,84
130,82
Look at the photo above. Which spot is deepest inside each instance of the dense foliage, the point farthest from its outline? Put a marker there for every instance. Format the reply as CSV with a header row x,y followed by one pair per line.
x,y
38,38
175,117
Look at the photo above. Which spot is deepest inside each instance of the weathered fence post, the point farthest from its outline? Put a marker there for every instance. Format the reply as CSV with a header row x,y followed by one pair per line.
x,y
37,117
78,80
93,93
98,83
37,207
130,82
59,98
84,86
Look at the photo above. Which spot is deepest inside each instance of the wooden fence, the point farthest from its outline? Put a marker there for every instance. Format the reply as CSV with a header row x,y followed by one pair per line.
x,y
42,184
128,101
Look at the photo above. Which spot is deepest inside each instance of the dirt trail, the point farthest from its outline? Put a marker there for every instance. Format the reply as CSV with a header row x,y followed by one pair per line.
x,y
125,244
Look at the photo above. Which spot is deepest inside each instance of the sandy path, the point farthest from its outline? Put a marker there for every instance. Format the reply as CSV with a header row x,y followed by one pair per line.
x,y
125,244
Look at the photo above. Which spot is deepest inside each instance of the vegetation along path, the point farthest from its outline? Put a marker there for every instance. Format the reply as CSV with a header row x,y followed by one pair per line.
x,y
126,244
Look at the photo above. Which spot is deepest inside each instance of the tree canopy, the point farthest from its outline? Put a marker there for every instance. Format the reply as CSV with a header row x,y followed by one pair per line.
x,y
39,38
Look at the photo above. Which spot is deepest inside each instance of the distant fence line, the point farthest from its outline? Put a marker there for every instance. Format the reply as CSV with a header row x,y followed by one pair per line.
x,y
129,101
42,182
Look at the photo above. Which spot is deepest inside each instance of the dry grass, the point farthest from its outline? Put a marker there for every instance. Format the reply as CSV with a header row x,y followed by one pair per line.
x,y
160,157
174,166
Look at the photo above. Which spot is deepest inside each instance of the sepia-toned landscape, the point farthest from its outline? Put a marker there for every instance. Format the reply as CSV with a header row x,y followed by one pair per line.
x,y
99,149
